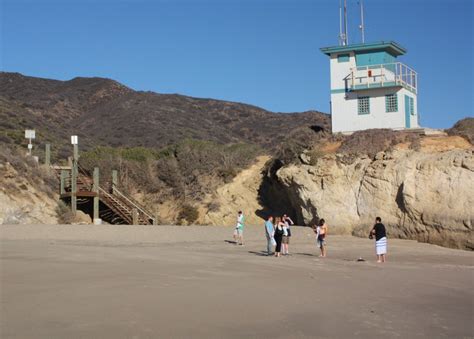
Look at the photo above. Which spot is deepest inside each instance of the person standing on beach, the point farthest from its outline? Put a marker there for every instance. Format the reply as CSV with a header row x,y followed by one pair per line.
x,y
269,230
239,229
316,230
286,233
380,239
278,235
322,231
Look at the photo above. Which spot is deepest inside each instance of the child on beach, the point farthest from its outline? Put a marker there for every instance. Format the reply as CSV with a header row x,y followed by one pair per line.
x,y
321,232
239,229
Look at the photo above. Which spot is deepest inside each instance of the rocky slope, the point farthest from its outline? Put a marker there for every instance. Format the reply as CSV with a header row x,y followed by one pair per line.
x,y
241,193
25,195
28,193
424,194
103,112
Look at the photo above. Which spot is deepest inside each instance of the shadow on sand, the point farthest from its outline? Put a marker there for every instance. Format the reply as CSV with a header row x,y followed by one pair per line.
x,y
308,254
261,253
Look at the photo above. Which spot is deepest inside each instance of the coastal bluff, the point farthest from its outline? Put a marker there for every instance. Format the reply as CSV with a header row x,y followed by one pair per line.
x,y
425,195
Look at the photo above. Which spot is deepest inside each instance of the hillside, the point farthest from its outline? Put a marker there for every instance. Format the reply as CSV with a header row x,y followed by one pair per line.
x,y
104,112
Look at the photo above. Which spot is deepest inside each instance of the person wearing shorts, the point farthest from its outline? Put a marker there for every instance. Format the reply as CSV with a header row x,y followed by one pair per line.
x,y
380,240
286,233
285,240
321,233
239,229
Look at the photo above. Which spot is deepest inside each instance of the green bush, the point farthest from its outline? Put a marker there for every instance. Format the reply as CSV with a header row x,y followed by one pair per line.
x,y
185,171
64,213
188,213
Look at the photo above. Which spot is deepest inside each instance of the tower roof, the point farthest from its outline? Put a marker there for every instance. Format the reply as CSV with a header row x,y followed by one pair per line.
x,y
389,46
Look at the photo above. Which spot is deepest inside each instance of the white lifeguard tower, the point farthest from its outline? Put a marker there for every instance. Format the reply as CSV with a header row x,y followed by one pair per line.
x,y
370,88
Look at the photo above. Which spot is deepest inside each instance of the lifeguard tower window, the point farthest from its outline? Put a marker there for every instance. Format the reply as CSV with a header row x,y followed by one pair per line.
x,y
363,105
391,103
412,106
343,58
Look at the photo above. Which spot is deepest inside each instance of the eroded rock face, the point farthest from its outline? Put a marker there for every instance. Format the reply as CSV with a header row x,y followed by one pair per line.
x,y
427,196
21,202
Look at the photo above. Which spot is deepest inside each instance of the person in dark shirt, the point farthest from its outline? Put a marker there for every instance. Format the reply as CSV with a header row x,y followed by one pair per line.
x,y
380,239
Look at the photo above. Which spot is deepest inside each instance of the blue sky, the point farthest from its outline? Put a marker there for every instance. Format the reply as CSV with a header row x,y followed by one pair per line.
x,y
261,52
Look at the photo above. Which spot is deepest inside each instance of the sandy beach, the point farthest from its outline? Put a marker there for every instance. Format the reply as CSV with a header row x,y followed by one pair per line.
x,y
190,282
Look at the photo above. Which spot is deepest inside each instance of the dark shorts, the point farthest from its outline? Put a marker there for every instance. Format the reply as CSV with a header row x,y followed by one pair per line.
x,y
285,239
320,241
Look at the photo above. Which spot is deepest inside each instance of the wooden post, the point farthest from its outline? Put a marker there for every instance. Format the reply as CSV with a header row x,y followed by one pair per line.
x,y
95,188
134,216
47,155
64,176
74,179
114,180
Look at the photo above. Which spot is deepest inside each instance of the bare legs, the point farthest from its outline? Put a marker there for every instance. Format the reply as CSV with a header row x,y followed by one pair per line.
x,y
238,237
381,258
323,251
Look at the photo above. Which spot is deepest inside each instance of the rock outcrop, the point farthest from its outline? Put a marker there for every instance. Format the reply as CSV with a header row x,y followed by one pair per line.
x,y
427,195
24,201
241,193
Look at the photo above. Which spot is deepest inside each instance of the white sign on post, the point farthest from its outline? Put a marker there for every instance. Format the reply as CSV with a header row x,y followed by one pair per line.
x,y
74,140
29,133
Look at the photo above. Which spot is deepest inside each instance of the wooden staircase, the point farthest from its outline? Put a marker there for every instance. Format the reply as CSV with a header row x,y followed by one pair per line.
x,y
114,206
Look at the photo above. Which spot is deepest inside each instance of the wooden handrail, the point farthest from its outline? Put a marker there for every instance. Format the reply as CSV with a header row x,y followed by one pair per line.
x,y
128,202
135,204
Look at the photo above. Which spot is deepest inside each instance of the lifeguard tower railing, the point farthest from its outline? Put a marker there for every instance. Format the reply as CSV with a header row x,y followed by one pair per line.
x,y
383,75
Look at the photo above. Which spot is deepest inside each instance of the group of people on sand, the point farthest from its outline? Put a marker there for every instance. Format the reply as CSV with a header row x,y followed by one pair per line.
x,y
278,234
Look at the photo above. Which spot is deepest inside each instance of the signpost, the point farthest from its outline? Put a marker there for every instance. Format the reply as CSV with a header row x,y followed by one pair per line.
x,y
74,173
95,188
30,135
47,155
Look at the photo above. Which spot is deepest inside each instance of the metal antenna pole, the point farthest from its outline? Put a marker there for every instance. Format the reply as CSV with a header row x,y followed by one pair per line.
x,y
362,25
340,23
346,36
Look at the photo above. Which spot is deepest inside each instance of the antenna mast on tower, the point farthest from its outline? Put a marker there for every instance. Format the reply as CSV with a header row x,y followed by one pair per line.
x,y
343,38
362,26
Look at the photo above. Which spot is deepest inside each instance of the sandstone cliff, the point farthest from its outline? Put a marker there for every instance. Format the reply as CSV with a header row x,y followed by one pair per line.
x,y
240,194
425,194
25,196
